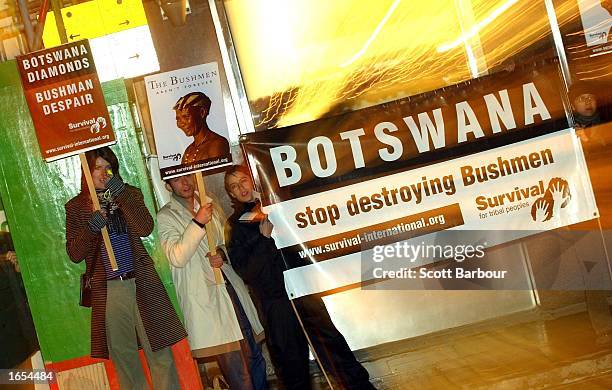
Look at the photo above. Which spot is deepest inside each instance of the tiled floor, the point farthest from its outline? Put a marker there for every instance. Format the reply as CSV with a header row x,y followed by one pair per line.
x,y
554,353
521,351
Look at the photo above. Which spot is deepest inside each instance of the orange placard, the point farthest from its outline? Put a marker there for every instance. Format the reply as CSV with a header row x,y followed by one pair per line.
x,y
65,100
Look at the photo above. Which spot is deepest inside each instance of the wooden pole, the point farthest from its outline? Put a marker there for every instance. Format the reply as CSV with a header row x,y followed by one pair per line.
x,y
96,205
312,348
212,247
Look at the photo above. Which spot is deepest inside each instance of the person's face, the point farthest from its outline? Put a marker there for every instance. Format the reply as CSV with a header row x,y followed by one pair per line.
x,y
189,120
240,187
99,173
585,104
607,4
183,186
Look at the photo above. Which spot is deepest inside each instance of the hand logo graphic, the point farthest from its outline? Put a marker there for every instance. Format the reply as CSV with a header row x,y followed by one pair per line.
x,y
102,122
559,189
557,196
540,210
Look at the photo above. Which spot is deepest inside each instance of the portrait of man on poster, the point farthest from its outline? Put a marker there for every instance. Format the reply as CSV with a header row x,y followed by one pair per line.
x,y
191,112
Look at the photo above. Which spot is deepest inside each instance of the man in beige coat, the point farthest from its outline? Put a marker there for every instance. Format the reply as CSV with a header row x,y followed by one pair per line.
x,y
217,316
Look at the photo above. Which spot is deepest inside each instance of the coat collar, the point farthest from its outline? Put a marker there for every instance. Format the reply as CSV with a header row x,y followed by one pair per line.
x,y
181,203
178,206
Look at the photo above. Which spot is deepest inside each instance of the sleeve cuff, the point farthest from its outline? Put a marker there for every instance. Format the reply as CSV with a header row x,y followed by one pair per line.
x,y
201,225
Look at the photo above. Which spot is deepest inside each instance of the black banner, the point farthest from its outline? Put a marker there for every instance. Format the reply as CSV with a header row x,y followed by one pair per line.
x,y
455,121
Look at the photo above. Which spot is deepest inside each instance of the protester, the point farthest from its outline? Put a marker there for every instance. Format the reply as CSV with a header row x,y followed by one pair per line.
x,y
130,304
586,115
24,342
11,257
217,316
256,259
584,104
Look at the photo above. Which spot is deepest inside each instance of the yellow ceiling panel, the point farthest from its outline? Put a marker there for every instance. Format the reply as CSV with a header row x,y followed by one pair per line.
x,y
94,19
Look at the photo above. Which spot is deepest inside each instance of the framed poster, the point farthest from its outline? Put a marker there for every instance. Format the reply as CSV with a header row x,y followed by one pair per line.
x,y
191,132
596,16
65,99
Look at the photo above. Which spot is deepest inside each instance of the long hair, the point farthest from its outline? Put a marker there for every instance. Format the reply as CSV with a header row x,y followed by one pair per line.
x,y
107,154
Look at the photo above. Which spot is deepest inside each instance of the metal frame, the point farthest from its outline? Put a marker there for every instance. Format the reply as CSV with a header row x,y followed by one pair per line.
x,y
231,66
558,42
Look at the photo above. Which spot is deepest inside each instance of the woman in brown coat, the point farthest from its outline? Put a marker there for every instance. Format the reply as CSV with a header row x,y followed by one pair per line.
x,y
130,304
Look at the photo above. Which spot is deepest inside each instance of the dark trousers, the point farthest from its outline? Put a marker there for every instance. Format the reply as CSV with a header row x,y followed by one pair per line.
x,y
251,375
289,348
286,343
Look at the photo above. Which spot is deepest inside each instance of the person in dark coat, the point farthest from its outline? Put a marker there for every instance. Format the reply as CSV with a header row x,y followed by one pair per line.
x,y
130,304
587,117
256,259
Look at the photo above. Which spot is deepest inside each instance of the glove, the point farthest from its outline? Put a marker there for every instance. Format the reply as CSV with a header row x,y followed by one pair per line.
x,y
115,185
96,222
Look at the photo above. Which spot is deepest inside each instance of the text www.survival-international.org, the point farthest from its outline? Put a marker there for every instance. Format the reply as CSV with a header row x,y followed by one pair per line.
x,y
76,144
375,235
